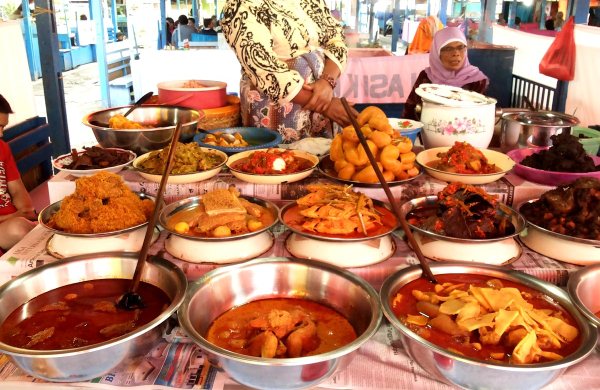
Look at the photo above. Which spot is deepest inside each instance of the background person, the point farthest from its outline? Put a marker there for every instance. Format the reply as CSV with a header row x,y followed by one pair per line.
x,y
448,65
287,82
427,28
16,207
209,27
182,32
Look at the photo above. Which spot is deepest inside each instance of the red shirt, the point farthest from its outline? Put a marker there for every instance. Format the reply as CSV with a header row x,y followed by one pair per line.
x,y
8,173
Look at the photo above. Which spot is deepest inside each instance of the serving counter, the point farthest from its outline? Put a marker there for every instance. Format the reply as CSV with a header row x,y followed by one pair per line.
x,y
381,363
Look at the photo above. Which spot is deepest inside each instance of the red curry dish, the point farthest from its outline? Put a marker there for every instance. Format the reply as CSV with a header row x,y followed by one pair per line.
x,y
272,162
489,319
463,158
79,315
281,328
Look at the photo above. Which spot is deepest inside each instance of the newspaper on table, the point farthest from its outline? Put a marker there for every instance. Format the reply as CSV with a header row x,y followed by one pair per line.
x,y
381,363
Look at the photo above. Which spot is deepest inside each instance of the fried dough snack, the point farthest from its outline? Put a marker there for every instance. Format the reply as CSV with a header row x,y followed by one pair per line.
x,y
392,151
101,203
336,209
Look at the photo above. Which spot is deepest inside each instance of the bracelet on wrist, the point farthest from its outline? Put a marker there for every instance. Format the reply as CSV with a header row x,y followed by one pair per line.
x,y
330,79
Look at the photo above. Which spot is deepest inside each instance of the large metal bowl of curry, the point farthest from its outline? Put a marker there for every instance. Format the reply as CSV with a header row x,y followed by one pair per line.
x,y
278,277
159,125
84,363
450,366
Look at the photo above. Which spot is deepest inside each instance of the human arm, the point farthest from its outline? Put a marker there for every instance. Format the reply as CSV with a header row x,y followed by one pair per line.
x,y
322,90
413,100
21,200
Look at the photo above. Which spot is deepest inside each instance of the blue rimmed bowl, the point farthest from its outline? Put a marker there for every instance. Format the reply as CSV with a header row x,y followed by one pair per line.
x,y
257,138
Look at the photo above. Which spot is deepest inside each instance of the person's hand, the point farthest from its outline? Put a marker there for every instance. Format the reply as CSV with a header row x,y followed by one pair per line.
x,y
322,93
337,113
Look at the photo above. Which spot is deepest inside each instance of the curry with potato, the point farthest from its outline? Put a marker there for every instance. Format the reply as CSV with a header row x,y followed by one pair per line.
x,y
281,328
487,318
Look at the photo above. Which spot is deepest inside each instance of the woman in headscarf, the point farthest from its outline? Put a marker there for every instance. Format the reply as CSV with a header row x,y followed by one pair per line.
x,y
292,54
448,65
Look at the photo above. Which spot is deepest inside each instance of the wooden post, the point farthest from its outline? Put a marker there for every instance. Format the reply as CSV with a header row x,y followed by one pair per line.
x,y
54,94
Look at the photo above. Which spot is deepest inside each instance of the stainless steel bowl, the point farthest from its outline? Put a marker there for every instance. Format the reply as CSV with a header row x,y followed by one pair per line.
x,y
503,210
228,287
190,203
450,367
533,128
143,140
584,289
47,213
320,237
85,363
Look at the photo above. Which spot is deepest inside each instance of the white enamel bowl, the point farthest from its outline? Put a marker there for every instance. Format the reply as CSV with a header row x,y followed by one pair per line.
x,y
495,251
217,250
184,178
558,246
272,179
584,289
501,160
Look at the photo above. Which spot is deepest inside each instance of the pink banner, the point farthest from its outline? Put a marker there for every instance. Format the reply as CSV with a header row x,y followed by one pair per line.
x,y
380,79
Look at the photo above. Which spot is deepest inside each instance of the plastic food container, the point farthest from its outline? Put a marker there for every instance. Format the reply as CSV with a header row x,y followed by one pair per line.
x,y
196,94
591,141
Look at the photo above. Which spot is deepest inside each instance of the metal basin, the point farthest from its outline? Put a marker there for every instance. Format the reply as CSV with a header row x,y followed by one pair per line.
x,y
584,289
85,363
141,141
533,128
456,369
228,287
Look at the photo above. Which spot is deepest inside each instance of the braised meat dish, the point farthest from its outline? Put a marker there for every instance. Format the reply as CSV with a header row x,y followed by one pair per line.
x,y
572,209
463,211
463,158
97,158
565,155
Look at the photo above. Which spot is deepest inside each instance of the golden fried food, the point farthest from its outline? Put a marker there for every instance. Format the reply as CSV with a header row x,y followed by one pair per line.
x,y
391,150
101,203
189,158
336,209
119,122
219,138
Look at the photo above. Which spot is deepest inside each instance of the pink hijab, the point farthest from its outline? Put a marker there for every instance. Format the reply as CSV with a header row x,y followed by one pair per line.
x,y
440,75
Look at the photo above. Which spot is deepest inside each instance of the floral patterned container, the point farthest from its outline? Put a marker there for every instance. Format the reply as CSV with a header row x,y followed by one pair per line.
x,y
451,114
444,125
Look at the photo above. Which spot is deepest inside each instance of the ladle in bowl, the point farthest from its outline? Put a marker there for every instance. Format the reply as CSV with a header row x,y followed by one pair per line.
x,y
135,105
388,193
131,299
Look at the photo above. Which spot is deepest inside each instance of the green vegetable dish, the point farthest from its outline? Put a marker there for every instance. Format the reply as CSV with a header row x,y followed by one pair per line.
x,y
189,158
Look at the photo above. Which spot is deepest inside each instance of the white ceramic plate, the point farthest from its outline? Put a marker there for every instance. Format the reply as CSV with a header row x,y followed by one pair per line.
x,y
501,160
182,178
272,179
342,254
61,246
401,124
61,161
219,252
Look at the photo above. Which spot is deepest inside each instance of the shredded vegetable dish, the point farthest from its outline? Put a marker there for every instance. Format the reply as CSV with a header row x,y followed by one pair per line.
x,y
489,319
